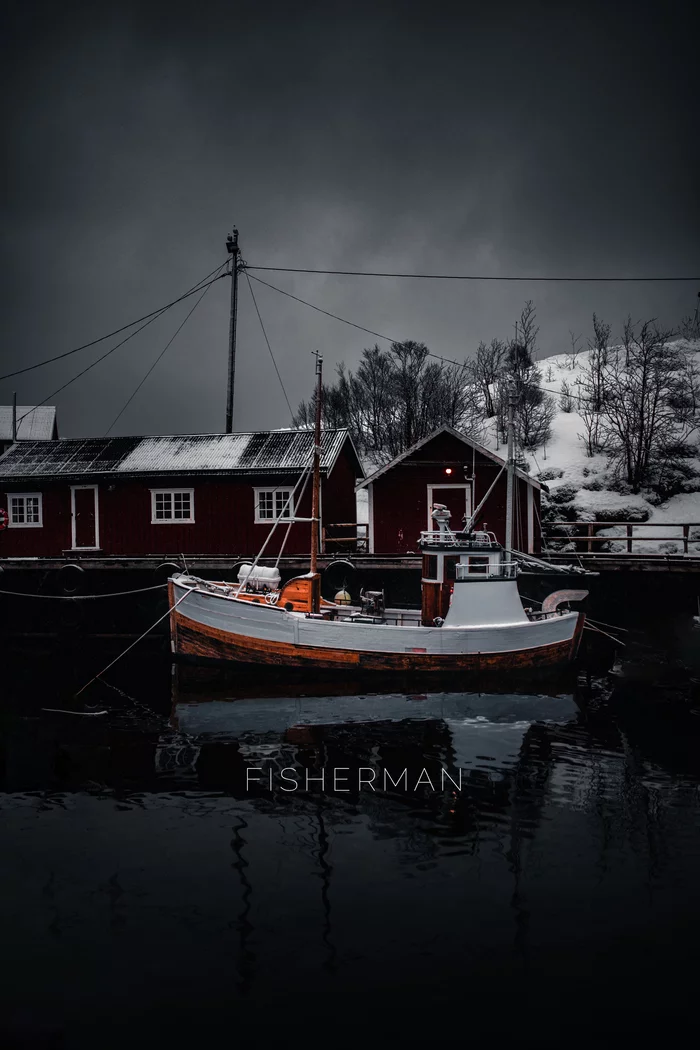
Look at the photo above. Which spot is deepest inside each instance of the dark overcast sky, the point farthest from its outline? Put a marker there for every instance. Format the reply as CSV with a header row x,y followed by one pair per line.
x,y
555,138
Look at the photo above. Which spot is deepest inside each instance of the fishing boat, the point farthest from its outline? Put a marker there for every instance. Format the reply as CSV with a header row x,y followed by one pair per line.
x,y
471,618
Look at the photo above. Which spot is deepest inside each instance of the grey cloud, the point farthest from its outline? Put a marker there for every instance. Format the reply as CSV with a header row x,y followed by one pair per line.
x,y
526,139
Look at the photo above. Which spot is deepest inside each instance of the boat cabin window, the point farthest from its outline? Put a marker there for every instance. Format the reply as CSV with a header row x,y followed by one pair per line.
x,y
451,568
478,565
430,567
272,504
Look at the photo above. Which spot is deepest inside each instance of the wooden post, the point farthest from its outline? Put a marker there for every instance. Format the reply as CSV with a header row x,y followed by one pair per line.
x,y
630,529
590,536
233,250
315,495
511,475
686,537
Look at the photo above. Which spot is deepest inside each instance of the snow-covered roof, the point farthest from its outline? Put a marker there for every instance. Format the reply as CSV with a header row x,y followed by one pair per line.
x,y
461,437
34,423
270,452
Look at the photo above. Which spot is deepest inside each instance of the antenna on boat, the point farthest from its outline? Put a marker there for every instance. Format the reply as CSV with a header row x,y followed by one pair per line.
x,y
234,252
511,473
315,499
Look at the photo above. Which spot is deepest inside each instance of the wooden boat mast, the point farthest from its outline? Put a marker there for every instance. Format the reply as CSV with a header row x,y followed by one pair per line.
x,y
511,475
316,493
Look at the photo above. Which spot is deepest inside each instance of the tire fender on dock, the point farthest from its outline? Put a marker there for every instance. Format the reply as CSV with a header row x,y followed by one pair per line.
x,y
72,579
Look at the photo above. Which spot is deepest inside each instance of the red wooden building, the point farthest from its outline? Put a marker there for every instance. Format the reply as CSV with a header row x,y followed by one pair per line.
x,y
447,467
163,496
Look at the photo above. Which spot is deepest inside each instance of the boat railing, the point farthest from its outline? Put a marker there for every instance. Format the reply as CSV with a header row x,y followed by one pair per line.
x,y
447,538
499,571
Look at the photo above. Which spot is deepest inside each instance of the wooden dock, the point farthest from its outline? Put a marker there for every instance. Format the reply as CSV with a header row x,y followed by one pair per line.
x,y
586,547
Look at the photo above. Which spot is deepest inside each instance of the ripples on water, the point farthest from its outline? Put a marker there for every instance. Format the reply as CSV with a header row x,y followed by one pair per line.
x,y
148,894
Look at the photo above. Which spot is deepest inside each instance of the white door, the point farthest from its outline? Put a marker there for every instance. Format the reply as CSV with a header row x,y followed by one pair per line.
x,y
458,500
85,518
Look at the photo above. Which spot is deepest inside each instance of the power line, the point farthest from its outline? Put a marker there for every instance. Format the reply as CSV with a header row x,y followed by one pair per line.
x,y
61,388
151,319
462,277
387,338
160,355
255,303
118,331
320,310
344,320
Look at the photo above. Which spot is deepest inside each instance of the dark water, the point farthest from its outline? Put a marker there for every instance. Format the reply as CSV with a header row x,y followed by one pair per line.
x,y
534,879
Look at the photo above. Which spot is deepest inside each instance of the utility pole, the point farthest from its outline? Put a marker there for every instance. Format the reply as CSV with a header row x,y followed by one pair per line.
x,y
511,473
14,417
234,252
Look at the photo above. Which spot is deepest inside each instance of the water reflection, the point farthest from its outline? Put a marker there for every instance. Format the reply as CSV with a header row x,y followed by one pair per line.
x,y
536,841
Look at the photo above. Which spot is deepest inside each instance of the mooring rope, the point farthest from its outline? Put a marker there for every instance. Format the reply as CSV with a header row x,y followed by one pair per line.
x,y
85,597
590,627
140,637
589,619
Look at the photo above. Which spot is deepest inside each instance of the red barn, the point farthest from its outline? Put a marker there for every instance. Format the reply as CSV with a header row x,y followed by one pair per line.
x,y
447,467
163,496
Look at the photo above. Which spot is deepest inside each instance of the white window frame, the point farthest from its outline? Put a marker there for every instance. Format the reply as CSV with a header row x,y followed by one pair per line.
x,y
73,517
25,524
455,526
258,492
171,492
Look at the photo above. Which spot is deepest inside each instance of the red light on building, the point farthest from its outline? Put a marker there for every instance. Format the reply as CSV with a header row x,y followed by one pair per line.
x,y
448,470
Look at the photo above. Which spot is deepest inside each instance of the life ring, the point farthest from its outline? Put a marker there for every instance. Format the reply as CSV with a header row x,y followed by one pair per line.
x,y
4,519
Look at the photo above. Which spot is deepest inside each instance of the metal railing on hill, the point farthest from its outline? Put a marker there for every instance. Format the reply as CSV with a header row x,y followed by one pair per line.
x,y
589,541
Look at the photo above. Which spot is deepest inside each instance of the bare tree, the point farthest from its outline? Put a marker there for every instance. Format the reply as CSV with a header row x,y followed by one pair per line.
x,y
535,409
572,355
396,397
526,330
485,370
592,385
689,327
649,408
566,399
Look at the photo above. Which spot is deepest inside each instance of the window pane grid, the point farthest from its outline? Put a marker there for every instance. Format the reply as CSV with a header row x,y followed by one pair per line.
x,y
281,498
265,505
17,510
172,506
272,504
25,510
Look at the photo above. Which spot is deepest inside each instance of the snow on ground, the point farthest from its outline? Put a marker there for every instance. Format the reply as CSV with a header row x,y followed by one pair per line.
x,y
362,504
563,462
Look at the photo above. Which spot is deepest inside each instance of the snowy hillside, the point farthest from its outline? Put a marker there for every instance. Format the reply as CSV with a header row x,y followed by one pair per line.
x,y
581,485
582,488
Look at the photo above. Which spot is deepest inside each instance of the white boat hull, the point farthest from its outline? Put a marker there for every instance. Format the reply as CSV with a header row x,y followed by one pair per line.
x,y
211,625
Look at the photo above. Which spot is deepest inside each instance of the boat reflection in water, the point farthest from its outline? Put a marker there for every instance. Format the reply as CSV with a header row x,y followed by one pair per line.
x,y
414,785
435,747
569,857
